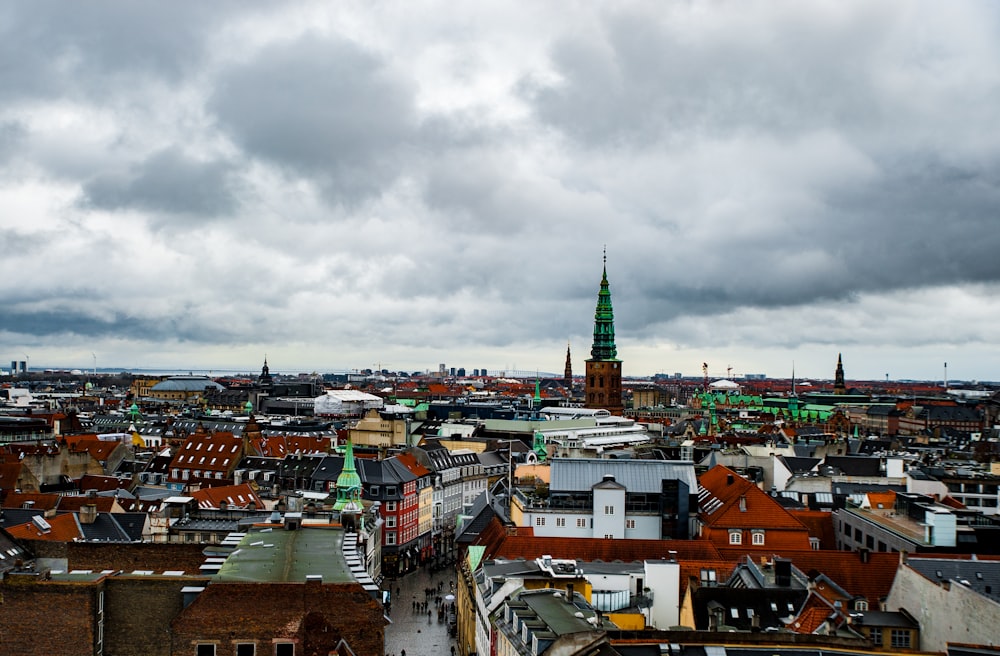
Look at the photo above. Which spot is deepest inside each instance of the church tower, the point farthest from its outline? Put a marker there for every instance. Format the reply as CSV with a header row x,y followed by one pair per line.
x,y
348,485
568,373
603,384
839,387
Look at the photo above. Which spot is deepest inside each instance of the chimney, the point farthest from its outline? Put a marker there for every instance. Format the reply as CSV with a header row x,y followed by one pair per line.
x,y
569,593
743,503
88,513
782,572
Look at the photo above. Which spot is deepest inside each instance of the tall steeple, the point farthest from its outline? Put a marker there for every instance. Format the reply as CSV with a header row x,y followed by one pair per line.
x,y
839,386
265,380
604,322
603,384
568,373
348,485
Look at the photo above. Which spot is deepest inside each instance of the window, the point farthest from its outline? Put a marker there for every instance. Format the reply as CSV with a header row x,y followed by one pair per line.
x,y
609,510
708,577
390,490
373,491
757,538
875,633
245,649
735,537
560,521
390,521
390,506
284,649
205,650
539,521
581,522
861,604
390,537
900,638
629,523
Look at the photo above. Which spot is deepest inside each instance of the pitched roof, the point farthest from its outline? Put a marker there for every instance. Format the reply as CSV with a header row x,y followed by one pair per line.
x,y
36,500
100,483
60,528
591,549
820,525
871,580
579,474
235,496
9,473
75,502
741,503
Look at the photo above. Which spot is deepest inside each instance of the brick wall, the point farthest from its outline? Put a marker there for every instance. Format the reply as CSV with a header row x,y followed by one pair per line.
x,y
138,611
54,618
314,615
127,557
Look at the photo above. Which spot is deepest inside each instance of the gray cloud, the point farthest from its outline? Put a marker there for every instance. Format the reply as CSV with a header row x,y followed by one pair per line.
x,y
338,185
323,108
168,182
57,49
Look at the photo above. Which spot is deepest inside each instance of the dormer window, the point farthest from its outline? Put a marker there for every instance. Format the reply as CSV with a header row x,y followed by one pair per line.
x,y
736,537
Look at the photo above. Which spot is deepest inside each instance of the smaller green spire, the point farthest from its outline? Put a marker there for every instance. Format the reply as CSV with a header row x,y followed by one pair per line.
x,y
348,484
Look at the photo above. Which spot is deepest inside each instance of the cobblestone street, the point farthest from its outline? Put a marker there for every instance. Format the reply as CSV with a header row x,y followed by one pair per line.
x,y
412,630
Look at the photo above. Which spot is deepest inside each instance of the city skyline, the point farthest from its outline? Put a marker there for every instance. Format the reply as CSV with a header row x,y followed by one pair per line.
x,y
342,186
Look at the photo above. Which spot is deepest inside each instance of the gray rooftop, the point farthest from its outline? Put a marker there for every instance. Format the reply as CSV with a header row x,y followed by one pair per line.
x,y
580,474
983,576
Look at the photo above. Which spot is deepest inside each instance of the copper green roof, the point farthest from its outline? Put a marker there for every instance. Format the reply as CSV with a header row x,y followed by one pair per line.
x,y
348,483
278,556
604,324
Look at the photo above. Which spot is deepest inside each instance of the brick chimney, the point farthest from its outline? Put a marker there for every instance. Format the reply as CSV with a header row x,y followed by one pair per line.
x,y
88,513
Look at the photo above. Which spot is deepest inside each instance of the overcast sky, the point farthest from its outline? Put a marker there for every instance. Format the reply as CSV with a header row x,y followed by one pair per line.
x,y
342,185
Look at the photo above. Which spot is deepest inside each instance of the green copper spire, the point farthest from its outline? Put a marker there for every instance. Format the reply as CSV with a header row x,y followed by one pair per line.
x,y
538,391
348,484
604,322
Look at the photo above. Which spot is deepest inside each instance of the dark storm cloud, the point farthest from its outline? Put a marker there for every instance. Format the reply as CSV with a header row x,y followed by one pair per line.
x,y
859,209
55,321
169,182
323,108
648,77
53,48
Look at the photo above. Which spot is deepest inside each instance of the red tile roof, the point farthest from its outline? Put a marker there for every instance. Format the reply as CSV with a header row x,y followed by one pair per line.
x,y
236,496
9,473
209,454
411,464
38,500
590,549
820,525
63,528
759,510
101,483
871,580
278,446
74,503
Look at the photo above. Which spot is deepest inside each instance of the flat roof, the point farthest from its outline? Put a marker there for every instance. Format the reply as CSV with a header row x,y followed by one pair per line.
x,y
279,555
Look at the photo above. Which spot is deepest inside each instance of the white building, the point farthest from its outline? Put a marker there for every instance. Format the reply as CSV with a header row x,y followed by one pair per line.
x,y
615,499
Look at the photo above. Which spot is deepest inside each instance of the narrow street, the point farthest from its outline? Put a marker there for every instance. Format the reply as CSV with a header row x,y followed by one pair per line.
x,y
412,630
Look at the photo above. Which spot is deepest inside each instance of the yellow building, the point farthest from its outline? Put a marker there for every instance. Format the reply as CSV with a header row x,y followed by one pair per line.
x,y
377,429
